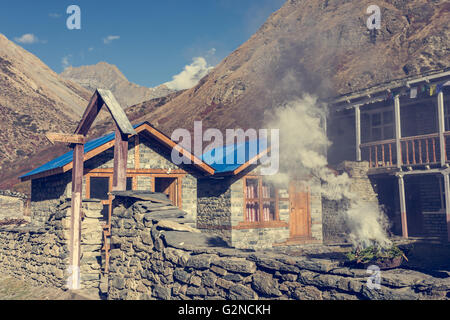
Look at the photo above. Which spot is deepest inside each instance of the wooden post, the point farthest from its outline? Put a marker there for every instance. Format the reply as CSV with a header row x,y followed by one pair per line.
x,y
441,118
398,131
75,225
447,202
358,133
401,192
120,161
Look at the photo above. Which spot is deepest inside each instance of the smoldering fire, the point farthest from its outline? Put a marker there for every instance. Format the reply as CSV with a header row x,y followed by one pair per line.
x,y
303,145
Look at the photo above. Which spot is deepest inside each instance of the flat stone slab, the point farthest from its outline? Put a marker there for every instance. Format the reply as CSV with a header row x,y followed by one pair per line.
x,y
175,226
179,239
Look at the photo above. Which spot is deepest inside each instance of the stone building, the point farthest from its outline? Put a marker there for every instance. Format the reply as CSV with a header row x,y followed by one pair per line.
x,y
234,201
14,205
402,130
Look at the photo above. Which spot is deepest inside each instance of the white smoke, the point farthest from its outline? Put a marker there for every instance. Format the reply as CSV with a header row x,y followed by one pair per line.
x,y
191,75
303,144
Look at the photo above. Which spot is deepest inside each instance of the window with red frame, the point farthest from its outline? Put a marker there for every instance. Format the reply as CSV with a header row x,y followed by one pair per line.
x,y
261,201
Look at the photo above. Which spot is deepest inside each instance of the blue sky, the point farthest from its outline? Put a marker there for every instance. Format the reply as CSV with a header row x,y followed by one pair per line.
x,y
154,40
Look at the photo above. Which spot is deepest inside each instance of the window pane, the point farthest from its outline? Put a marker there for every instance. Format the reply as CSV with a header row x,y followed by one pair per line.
x,y
129,183
268,191
376,134
388,132
376,119
252,211
388,117
99,188
269,211
252,188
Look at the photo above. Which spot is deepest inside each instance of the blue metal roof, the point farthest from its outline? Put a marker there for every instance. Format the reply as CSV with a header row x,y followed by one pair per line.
x,y
238,154
68,157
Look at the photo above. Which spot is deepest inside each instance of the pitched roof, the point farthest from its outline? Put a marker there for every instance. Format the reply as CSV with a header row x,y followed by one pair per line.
x,y
240,155
232,159
96,146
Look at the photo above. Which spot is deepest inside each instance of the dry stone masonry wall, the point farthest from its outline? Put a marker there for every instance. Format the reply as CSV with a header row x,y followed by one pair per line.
x,y
40,254
155,256
14,205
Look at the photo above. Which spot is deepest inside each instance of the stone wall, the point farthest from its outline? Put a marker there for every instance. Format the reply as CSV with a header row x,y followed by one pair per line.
x,y
45,196
256,238
214,207
40,254
221,211
334,228
13,205
151,260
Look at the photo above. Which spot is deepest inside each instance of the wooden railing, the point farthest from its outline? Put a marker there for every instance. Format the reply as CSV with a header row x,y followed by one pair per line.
x,y
380,153
419,150
416,150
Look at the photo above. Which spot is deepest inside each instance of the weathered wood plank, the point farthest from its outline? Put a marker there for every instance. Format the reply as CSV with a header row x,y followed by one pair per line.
x,y
120,161
75,225
65,138
91,112
119,116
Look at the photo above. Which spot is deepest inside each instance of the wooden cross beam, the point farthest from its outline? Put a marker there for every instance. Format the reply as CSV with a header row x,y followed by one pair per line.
x,y
66,138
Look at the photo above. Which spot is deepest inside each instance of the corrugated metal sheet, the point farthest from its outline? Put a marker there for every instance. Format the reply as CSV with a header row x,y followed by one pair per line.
x,y
68,157
237,154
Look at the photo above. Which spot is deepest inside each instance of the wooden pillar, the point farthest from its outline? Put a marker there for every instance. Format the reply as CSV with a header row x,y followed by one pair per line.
x,y
441,120
75,225
447,202
358,133
398,131
120,162
401,192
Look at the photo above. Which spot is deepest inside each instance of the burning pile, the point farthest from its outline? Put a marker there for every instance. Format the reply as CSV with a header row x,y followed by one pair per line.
x,y
384,258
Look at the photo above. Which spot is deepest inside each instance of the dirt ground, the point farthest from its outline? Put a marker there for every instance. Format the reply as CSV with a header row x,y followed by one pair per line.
x,y
14,289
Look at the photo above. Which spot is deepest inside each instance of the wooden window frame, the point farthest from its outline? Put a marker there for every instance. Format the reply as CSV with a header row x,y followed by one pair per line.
x,y
276,223
179,179
382,125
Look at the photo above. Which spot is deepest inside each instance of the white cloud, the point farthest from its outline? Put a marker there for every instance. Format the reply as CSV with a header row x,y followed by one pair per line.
x,y
91,49
110,39
28,38
54,15
211,52
191,75
65,61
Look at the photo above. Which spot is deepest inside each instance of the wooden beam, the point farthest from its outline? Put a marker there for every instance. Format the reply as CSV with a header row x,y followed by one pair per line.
x,y
137,157
91,112
117,113
401,191
66,138
447,203
441,119
358,133
154,133
398,131
75,225
120,161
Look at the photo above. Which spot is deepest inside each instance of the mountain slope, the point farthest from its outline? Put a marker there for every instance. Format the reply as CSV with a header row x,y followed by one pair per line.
x,y
33,100
319,47
107,76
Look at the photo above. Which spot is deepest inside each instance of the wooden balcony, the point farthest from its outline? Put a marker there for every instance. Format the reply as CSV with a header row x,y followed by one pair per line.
x,y
423,150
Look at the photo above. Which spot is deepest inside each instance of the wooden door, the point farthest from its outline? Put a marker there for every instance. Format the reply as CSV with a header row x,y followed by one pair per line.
x,y
168,186
300,215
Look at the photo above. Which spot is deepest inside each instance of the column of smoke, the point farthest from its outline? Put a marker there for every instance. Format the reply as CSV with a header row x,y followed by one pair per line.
x,y
303,144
